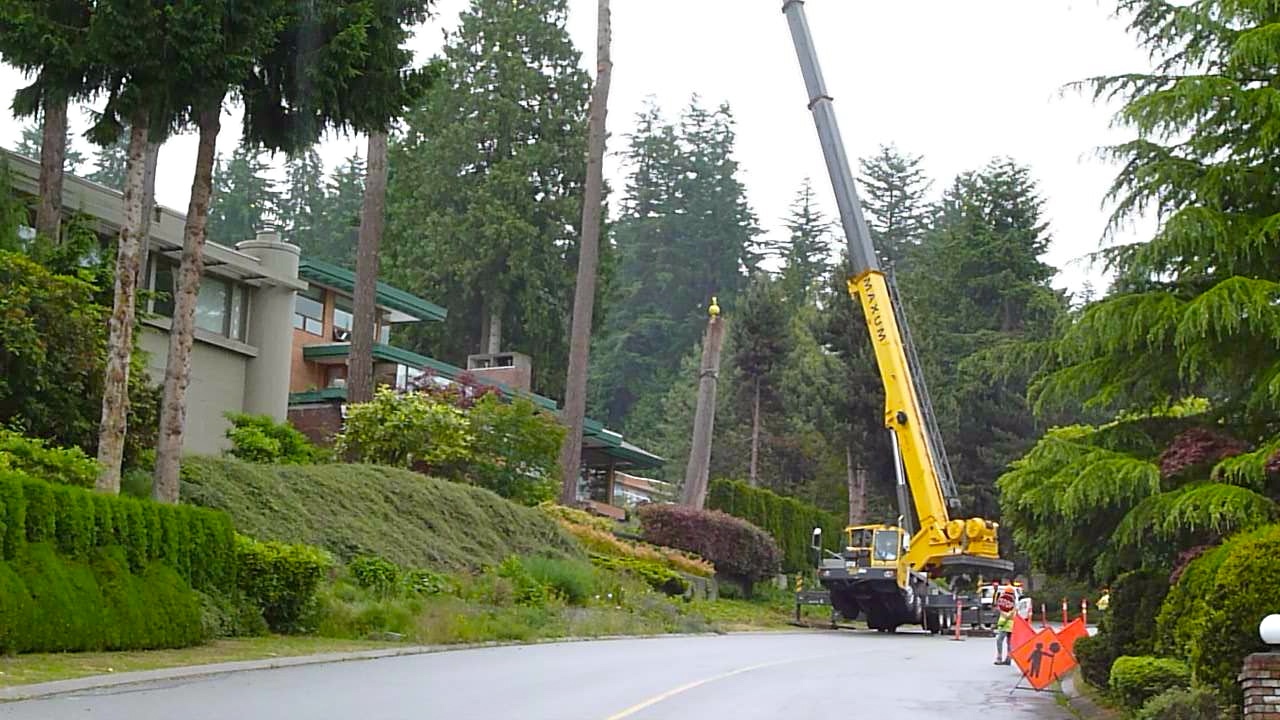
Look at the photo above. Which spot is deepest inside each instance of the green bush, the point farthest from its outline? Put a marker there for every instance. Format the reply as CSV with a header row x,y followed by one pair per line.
x,y
49,603
526,588
1095,655
1245,589
1182,704
658,576
788,520
404,430
515,450
1135,679
260,439
229,615
426,582
1183,613
1128,627
352,510
374,573
69,466
280,578
574,580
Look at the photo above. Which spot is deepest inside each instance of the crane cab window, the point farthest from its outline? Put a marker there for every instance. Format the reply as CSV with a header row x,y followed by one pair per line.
x,y
886,546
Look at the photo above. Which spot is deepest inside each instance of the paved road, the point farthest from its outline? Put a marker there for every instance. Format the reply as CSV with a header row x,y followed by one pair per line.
x,y
803,676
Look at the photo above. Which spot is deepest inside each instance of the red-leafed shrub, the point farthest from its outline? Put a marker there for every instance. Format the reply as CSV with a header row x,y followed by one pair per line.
x,y
1273,464
735,546
1197,447
1185,558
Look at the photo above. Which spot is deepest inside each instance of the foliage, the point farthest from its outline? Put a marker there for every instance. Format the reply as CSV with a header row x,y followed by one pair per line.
x,y
260,439
1185,609
1095,655
806,253
1195,448
109,162
596,535
485,186
375,573
1128,627
1136,679
898,211
350,510
735,546
404,430
280,578
659,577
195,542
759,349
573,580
1056,588
53,337
515,449
323,221
1182,704
53,603
789,521
69,466
684,234
243,197
230,615
526,589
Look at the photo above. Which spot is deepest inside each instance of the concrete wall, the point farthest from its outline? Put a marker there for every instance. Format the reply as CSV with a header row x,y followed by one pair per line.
x,y
217,386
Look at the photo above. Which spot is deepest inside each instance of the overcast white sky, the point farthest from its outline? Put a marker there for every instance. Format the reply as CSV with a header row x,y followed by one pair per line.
x,y
957,82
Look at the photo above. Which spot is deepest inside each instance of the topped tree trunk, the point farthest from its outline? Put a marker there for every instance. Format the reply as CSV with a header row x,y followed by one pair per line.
x,y
575,400
372,218
53,156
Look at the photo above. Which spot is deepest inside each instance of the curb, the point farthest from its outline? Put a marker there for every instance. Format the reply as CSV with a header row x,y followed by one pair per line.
x,y
98,682
1080,704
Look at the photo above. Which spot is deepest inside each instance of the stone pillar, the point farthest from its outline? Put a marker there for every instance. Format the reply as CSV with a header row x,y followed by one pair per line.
x,y
1261,683
266,382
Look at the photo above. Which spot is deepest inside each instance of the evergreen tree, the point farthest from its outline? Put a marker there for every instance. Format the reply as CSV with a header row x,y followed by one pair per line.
x,y
685,234
485,193
898,213
244,196
301,207
32,139
760,346
109,163
334,237
807,255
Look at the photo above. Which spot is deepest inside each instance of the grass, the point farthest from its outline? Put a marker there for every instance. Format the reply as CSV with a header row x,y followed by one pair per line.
x,y
45,667
408,518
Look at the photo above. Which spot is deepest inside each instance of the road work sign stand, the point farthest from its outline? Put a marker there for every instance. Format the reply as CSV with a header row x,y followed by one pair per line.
x,y
1043,660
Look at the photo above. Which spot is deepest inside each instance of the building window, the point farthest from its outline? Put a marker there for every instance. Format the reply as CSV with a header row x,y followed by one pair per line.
x,y
343,313
222,306
308,311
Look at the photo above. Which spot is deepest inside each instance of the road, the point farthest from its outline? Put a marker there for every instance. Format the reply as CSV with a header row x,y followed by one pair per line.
x,y
804,675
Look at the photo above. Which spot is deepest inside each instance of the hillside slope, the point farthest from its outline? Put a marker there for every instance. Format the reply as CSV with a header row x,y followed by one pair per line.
x,y
410,519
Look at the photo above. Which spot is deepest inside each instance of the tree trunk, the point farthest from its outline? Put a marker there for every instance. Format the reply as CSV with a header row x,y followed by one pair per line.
x,y
491,342
53,156
148,208
177,374
857,483
372,218
115,386
755,435
695,475
575,401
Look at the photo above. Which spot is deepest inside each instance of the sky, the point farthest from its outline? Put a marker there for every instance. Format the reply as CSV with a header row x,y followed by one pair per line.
x,y
959,83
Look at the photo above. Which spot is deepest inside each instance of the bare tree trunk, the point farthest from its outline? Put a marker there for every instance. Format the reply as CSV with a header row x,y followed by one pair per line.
x,y
575,401
177,374
755,435
53,156
695,476
491,342
372,218
115,386
857,482
148,207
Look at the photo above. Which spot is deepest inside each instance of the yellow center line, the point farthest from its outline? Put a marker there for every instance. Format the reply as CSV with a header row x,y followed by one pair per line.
x,y
697,683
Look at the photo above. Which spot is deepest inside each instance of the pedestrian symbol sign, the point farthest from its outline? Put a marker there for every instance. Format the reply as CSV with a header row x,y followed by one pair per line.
x,y
1043,659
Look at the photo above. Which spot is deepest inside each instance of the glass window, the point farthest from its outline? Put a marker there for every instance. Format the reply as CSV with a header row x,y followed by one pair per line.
x,y
162,284
343,313
239,311
212,303
886,545
384,330
308,311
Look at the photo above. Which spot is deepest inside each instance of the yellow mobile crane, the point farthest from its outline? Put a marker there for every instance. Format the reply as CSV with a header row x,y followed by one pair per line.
x,y
889,573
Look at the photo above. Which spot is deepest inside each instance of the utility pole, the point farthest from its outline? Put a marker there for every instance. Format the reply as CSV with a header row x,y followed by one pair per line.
x,y
695,476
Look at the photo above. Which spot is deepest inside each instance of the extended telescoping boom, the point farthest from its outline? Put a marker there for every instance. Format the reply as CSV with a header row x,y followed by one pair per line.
x,y
932,544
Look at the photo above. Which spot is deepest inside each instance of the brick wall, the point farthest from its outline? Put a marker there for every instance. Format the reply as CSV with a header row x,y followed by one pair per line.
x,y
318,422
1261,683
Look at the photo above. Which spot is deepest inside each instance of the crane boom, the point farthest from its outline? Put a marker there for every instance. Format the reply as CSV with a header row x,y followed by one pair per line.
x,y
921,458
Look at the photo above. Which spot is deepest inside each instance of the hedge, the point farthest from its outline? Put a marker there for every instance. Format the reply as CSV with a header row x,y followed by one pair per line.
x,y
736,547
1136,679
197,543
51,603
1128,627
788,520
281,579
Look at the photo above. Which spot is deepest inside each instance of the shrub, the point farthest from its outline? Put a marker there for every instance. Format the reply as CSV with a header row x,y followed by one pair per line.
x,y
405,430
228,615
1246,586
788,520
1128,628
1182,704
515,450
737,547
281,579
574,580
69,466
1183,613
1135,679
596,535
656,575
260,439
352,510
374,573
526,589
1095,656
426,582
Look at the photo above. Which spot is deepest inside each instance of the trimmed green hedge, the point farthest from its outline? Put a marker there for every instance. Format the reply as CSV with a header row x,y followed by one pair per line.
x,y
50,603
1136,679
351,510
197,543
788,520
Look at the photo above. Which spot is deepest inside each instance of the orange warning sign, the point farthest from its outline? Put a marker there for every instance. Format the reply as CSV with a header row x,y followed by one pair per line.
x,y
1071,632
1022,632
1043,659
